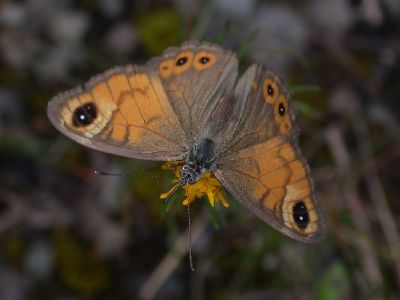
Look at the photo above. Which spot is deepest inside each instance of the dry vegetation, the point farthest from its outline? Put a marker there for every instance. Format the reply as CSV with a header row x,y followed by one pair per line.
x,y
68,234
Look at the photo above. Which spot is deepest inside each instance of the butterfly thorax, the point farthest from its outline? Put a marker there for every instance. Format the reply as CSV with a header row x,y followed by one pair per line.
x,y
201,159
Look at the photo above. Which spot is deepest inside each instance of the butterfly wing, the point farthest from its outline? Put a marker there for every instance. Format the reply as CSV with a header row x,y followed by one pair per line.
x,y
196,76
148,112
262,165
123,111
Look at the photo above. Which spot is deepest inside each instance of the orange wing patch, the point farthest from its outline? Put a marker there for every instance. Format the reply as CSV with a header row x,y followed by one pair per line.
x,y
165,68
125,109
279,181
204,60
270,91
274,96
281,115
183,62
143,108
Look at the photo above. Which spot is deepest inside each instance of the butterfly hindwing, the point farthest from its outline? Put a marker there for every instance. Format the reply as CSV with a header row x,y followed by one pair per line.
x,y
262,166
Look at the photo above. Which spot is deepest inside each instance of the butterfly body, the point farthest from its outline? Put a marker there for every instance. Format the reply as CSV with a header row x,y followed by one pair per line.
x,y
201,159
187,105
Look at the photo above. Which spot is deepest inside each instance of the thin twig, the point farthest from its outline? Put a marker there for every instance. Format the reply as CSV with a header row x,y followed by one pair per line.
x,y
377,194
171,261
369,261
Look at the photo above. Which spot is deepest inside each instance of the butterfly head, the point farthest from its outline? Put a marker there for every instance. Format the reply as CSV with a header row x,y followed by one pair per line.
x,y
190,174
200,161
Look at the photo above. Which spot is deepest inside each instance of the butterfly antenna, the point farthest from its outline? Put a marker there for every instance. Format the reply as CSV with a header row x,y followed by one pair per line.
x,y
190,240
96,172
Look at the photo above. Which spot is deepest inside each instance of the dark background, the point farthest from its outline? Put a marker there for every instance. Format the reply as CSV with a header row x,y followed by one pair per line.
x,y
68,234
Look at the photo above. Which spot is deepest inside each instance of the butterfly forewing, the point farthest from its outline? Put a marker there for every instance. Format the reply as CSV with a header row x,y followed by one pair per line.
x,y
196,76
151,112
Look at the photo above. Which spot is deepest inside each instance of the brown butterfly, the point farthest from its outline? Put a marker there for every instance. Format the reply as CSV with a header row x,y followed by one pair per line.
x,y
186,105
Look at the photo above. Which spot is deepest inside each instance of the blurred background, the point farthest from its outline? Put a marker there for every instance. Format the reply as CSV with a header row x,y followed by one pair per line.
x,y
66,233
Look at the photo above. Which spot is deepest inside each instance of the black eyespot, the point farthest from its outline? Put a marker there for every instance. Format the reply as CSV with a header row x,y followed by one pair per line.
x,y
181,61
282,109
203,60
84,115
300,215
270,90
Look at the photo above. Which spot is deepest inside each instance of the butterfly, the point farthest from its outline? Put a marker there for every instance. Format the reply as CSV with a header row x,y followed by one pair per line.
x,y
188,105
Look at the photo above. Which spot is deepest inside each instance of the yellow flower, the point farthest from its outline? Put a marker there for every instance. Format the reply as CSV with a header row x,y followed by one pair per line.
x,y
208,186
